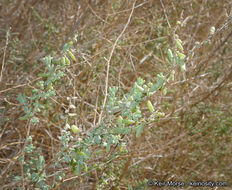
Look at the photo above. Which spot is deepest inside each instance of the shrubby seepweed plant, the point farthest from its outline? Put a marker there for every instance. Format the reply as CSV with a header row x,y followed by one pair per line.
x,y
123,117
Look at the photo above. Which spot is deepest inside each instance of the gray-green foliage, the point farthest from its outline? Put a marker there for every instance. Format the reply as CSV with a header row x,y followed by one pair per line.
x,y
77,151
33,167
44,87
113,128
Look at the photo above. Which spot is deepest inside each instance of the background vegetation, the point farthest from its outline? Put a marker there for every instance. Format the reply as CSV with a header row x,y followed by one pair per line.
x,y
111,94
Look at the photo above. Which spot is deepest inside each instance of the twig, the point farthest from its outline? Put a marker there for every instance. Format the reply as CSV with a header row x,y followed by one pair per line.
x,y
4,54
162,4
78,22
20,85
108,62
75,27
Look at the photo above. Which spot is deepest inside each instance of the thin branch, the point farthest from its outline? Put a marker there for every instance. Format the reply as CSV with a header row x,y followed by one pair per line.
x,y
20,85
109,60
165,14
4,54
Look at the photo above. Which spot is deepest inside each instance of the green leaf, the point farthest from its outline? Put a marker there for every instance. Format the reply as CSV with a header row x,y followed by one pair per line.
x,y
17,178
47,60
170,55
51,93
181,63
128,121
70,43
85,167
164,90
67,61
67,159
79,168
75,129
181,55
29,148
140,81
120,120
21,159
22,98
183,67
63,60
139,130
43,74
130,187
71,55
34,120
159,83
113,91
40,163
179,45
120,131
150,106
160,114
109,144
99,152
139,88
66,47
34,177
172,75
60,74
126,130
25,117
97,139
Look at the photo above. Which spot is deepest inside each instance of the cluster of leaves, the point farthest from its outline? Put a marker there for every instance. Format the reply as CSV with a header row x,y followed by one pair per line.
x,y
37,103
45,90
107,135
33,167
